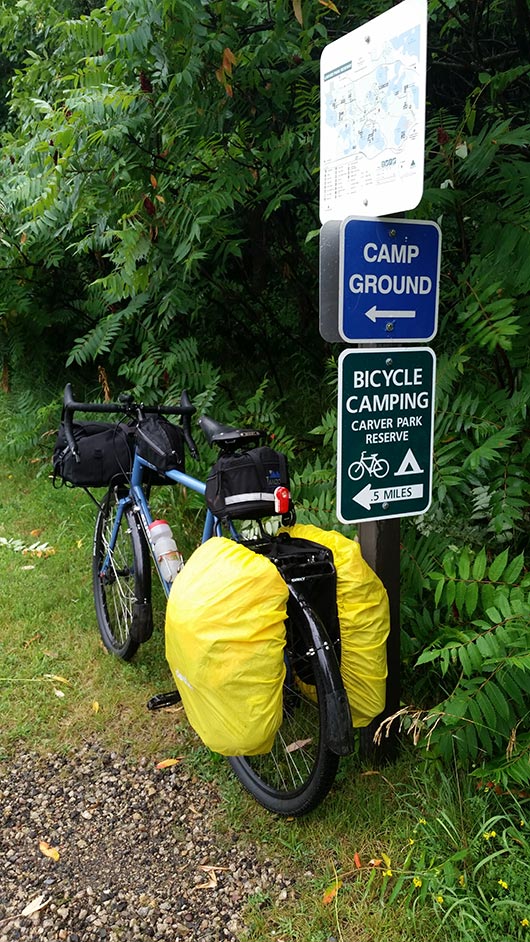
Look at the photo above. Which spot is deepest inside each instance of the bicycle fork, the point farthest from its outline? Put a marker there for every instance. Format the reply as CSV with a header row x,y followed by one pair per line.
x,y
106,567
109,572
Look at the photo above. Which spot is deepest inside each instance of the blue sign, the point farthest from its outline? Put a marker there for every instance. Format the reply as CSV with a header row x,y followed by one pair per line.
x,y
389,278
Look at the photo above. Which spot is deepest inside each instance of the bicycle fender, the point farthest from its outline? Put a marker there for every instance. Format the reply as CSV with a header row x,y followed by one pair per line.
x,y
142,622
339,733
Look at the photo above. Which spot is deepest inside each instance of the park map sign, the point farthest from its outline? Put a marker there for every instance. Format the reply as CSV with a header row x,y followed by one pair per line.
x,y
372,131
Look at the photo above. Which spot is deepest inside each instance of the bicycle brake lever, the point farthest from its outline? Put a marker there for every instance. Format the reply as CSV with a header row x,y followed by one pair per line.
x,y
186,403
187,437
68,411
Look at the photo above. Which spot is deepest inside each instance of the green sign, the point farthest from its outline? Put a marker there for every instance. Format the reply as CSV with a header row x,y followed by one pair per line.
x,y
386,410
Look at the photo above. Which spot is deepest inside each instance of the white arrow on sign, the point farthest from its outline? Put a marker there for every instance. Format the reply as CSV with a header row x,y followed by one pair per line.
x,y
385,495
373,314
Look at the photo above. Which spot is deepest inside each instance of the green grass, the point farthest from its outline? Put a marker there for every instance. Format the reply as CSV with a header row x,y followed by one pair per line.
x,y
442,844
58,685
416,853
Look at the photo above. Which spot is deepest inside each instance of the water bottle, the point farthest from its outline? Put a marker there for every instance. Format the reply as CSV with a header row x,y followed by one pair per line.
x,y
165,548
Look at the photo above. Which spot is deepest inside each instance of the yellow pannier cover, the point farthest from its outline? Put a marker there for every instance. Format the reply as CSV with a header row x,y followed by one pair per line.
x,y
225,636
364,618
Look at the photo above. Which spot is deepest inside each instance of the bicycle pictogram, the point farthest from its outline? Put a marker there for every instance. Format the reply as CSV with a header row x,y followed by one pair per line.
x,y
371,464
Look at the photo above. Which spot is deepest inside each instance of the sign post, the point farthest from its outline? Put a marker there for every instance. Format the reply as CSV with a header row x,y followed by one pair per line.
x,y
380,546
378,286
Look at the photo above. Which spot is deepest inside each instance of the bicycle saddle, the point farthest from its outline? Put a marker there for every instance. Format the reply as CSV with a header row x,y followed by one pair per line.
x,y
226,435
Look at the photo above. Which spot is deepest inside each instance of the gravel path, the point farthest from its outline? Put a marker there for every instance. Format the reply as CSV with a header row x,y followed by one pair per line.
x,y
141,855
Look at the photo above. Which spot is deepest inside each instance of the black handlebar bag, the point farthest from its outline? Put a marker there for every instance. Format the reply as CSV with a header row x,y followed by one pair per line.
x,y
241,485
105,452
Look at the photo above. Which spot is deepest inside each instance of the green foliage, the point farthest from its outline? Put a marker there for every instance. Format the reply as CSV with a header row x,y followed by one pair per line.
x,y
481,459
467,859
481,654
160,181
465,643
26,419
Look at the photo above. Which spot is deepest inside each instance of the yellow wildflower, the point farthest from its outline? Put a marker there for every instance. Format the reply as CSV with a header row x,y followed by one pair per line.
x,y
422,821
462,880
411,841
439,899
417,882
503,884
387,873
525,922
489,834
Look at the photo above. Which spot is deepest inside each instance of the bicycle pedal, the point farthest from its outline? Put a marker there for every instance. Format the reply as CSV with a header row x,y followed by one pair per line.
x,y
161,700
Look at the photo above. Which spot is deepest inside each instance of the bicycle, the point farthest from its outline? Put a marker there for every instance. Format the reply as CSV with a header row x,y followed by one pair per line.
x,y
298,772
379,467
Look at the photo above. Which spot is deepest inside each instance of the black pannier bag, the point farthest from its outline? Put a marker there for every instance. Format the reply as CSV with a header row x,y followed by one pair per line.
x,y
311,567
161,443
241,485
105,452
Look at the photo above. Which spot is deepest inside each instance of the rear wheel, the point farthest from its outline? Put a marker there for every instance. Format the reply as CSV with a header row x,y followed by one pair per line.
x,y
298,772
121,579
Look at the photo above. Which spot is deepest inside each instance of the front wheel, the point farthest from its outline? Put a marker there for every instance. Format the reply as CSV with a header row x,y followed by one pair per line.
x,y
298,772
121,578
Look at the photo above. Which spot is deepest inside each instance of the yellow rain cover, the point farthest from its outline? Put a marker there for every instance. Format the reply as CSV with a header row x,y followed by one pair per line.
x,y
364,618
225,636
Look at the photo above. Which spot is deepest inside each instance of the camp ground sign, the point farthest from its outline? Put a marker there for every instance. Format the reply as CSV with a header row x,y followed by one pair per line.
x,y
389,276
386,409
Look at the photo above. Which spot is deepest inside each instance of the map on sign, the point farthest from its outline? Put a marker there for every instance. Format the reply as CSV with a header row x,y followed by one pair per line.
x,y
372,132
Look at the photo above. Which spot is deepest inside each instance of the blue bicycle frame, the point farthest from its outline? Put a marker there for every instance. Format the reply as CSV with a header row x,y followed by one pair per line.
x,y
137,499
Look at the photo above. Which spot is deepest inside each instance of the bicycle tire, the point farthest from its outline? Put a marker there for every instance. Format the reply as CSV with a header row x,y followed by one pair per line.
x,y
298,772
123,595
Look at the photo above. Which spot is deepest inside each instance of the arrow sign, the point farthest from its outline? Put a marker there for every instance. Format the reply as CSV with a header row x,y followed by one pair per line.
x,y
389,273
386,495
373,313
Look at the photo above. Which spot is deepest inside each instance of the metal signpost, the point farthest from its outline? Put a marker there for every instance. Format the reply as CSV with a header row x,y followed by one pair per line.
x,y
386,407
388,281
379,286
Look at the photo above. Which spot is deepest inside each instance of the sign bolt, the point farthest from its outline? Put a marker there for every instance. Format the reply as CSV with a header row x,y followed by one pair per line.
x,y
385,506
389,326
388,362
392,233
367,39
365,202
